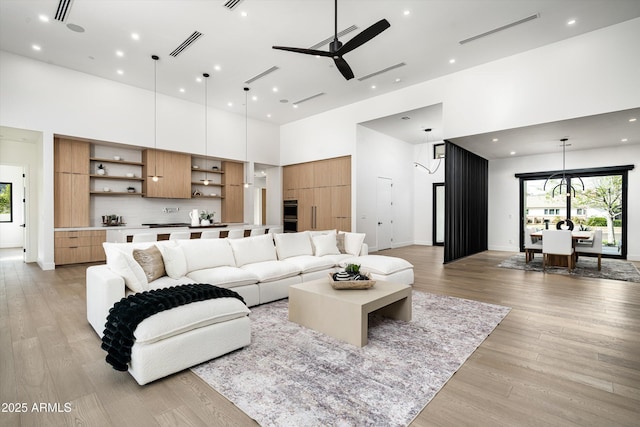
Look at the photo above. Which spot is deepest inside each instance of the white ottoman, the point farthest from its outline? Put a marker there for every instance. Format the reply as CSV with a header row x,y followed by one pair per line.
x,y
184,336
382,267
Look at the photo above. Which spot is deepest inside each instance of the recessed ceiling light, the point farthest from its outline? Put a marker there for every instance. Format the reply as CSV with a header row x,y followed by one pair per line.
x,y
624,140
406,13
269,115
135,36
633,119
295,105
244,13
255,98
512,153
397,80
36,47
181,90
373,86
43,18
75,28
495,140
199,79
229,104
217,67
452,61
120,72
119,53
571,21
275,89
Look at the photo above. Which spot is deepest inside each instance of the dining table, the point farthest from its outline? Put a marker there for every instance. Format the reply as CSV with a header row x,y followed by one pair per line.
x,y
561,260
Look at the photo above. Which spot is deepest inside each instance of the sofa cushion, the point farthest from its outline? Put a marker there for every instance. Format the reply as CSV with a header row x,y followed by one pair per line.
x,y
150,260
309,263
338,260
378,264
253,249
207,253
188,317
269,271
225,277
125,266
293,244
325,244
353,243
175,263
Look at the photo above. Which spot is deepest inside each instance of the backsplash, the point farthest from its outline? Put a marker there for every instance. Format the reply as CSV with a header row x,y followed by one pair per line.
x,y
136,210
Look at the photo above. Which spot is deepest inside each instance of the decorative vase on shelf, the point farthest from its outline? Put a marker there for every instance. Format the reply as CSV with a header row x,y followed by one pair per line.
x,y
101,170
205,222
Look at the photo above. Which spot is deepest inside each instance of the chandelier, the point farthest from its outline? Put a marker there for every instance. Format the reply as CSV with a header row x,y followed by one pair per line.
x,y
564,182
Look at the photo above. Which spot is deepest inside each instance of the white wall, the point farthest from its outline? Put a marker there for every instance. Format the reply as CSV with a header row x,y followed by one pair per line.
x,y
504,191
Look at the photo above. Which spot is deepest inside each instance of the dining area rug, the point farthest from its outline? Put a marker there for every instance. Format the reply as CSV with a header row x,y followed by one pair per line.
x,y
613,269
294,376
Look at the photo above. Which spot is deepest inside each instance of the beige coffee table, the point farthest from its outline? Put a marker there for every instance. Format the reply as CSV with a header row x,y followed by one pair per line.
x,y
343,314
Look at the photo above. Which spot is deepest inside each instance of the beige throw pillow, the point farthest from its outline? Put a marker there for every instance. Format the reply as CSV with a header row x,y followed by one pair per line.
x,y
150,260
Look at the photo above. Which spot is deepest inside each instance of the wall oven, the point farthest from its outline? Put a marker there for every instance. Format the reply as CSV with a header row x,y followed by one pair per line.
x,y
290,216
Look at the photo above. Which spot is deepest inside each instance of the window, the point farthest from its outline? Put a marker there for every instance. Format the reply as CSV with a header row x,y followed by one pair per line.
x,y
552,211
6,202
581,211
438,151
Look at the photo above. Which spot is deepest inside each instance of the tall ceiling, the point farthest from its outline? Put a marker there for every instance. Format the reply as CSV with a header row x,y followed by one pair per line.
x,y
95,37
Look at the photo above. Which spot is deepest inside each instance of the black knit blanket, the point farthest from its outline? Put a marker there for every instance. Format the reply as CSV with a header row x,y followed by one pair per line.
x,y
125,315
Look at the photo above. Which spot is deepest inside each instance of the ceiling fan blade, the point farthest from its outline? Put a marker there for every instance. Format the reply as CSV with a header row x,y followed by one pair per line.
x,y
364,36
302,50
343,67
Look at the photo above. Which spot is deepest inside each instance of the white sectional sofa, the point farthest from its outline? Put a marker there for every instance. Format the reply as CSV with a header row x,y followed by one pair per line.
x,y
259,268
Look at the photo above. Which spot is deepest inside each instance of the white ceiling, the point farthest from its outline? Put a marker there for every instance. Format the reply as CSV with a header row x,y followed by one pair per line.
x,y
425,39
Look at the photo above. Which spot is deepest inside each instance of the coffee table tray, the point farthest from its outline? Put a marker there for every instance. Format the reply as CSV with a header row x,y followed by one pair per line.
x,y
350,284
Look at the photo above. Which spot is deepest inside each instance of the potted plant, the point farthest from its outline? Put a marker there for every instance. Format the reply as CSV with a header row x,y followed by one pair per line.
x,y
101,170
206,217
131,189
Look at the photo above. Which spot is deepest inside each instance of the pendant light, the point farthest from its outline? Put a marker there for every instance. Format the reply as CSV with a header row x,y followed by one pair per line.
x,y
416,164
155,175
206,161
564,182
246,137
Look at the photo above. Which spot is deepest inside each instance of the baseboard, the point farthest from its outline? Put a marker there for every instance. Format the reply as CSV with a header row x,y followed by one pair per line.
x,y
46,265
504,248
633,257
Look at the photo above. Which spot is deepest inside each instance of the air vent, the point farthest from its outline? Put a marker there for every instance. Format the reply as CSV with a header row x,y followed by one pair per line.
x,y
393,67
261,75
308,98
231,4
63,10
504,27
330,39
185,44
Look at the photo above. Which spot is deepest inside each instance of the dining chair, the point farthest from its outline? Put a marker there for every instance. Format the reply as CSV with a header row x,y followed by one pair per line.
x,y
180,235
144,237
257,231
530,247
210,234
557,242
594,246
236,233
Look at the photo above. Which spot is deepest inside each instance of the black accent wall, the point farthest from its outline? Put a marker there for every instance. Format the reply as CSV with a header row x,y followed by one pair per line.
x,y
466,203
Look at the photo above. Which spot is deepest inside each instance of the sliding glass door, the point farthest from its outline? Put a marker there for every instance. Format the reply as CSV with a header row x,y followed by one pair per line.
x,y
599,203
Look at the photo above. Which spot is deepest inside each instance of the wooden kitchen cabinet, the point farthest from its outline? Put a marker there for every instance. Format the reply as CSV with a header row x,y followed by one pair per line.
x,y
323,191
70,183
232,203
75,247
174,170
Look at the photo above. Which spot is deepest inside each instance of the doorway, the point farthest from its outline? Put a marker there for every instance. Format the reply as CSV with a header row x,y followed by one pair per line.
x,y
384,204
12,211
438,213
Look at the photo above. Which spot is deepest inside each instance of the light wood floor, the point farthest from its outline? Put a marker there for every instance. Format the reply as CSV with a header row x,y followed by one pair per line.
x,y
568,354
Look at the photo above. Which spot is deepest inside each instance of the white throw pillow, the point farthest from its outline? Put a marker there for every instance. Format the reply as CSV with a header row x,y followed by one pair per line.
x,y
175,263
353,243
250,250
124,265
325,244
293,244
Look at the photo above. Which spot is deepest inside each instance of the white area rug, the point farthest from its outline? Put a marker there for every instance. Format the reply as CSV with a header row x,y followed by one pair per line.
x,y
294,376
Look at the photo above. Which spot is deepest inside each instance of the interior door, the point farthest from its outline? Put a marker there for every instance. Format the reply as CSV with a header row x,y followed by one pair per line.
x,y
384,204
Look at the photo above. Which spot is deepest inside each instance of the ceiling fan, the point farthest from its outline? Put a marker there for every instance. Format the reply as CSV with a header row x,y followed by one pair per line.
x,y
337,49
